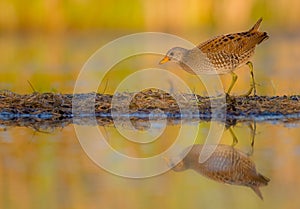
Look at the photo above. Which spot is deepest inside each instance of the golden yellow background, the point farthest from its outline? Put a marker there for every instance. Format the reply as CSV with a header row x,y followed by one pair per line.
x,y
47,43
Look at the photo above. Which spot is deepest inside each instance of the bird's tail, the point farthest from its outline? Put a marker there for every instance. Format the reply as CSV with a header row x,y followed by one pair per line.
x,y
257,191
256,26
260,36
262,181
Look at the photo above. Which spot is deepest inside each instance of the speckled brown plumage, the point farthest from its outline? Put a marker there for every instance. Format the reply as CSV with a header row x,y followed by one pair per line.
x,y
228,52
226,165
220,55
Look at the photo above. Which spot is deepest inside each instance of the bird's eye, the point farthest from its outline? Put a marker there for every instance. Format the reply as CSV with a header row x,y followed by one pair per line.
x,y
171,54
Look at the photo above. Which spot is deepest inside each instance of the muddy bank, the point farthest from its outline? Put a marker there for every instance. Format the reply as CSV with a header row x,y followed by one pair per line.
x,y
54,109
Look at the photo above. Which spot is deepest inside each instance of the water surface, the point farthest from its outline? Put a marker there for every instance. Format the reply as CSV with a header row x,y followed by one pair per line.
x,y
49,168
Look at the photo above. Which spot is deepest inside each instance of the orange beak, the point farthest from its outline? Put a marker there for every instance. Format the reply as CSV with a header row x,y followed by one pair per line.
x,y
164,60
167,160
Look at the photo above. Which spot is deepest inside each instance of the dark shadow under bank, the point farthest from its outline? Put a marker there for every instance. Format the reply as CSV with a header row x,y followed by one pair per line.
x,y
59,110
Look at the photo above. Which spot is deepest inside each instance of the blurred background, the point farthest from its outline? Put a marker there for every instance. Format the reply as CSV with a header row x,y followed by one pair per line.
x,y
47,43
58,17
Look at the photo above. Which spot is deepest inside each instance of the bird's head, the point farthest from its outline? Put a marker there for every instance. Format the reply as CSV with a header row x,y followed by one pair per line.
x,y
179,166
174,55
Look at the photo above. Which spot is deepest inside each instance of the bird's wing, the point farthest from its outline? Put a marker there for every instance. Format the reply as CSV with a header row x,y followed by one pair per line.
x,y
236,43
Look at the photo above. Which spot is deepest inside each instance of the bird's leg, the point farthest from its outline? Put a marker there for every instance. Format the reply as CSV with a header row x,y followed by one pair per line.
x,y
252,82
234,78
252,137
234,138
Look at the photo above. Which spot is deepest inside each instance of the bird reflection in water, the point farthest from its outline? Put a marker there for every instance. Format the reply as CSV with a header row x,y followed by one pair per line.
x,y
252,135
226,165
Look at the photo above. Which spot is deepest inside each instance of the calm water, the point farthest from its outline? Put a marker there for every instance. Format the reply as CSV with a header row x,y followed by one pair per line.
x,y
51,170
